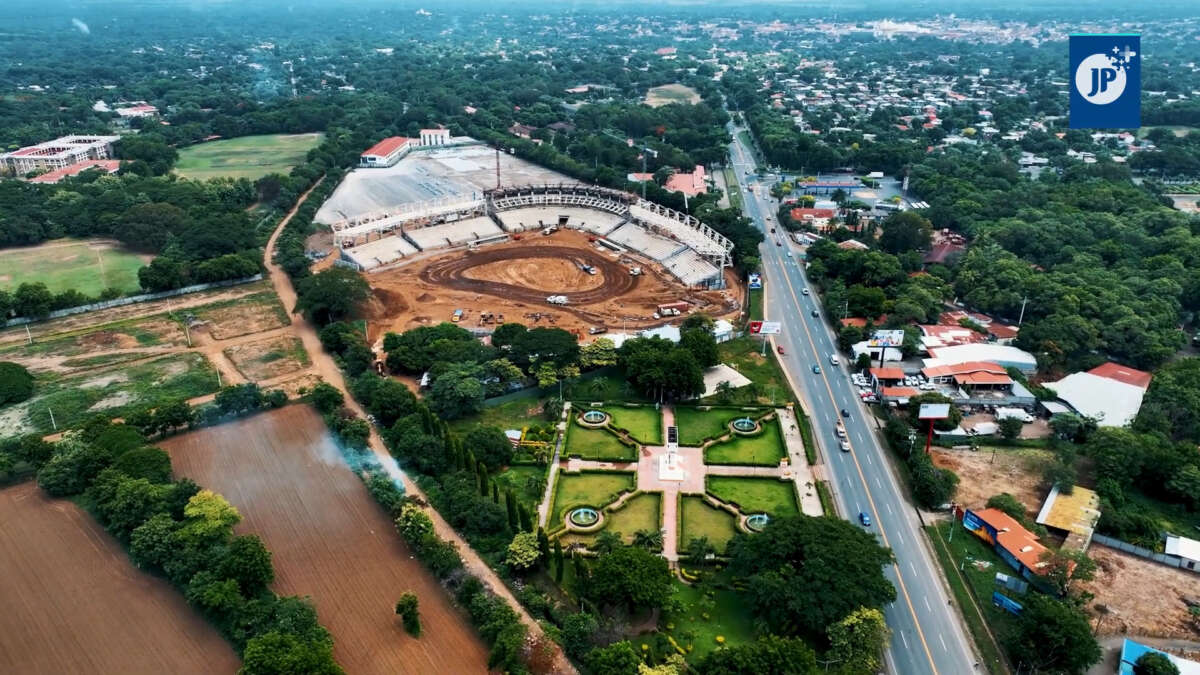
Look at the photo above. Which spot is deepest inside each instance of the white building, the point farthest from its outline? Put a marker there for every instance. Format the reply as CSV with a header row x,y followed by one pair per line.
x,y
58,153
1001,355
432,137
386,152
1110,393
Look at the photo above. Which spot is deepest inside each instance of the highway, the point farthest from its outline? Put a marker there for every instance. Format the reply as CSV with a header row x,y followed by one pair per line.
x,y
927,636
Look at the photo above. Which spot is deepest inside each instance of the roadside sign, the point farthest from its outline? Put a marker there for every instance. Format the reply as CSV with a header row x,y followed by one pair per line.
x,y
934,411
766,328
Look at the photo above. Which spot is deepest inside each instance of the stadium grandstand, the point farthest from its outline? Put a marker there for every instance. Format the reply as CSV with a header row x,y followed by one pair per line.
x,y
690,250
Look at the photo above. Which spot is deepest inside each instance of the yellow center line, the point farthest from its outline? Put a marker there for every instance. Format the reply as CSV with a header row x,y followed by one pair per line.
x,y
854,456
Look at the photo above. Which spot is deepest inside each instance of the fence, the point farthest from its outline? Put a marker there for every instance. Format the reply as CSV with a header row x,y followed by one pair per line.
x,y
132,299
1161,558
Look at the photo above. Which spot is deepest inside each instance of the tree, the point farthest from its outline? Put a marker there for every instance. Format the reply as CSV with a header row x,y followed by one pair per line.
x,y
1154,663
33,300
16,384
632,577
489,445
1063,566
1053,636
601,352
331,295
768,655
248,562
618,658
72,467
858,641
804,573
578,632
406,609
209,517
326,397
1010,427
702,345
948,424
149,462
1008,504
276,653
905,231
651,540
456,393
607,541
522,553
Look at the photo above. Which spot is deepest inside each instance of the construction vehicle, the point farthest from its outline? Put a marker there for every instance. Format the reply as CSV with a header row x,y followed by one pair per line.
x,y
457,316
557,299
550,230
596,330
635,271
589,269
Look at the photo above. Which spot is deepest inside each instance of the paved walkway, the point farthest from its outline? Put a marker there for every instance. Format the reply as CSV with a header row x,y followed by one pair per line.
x,y
548,498
324,365
802,472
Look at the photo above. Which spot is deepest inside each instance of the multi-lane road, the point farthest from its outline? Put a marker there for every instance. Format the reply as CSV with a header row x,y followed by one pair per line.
x,y
927,636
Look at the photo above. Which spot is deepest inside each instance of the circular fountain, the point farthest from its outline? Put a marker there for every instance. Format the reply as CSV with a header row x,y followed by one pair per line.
x,y
757,521
744,425
594,418
584,517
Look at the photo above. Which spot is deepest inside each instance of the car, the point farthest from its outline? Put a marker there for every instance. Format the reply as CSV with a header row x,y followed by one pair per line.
x,y
804,291
772,230
845,445
816,369
845,413
779,349
778,242
833,359
789,254
864,518
815,313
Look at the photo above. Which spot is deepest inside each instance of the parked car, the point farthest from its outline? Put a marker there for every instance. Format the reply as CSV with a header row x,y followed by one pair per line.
x,y
779,348
864,518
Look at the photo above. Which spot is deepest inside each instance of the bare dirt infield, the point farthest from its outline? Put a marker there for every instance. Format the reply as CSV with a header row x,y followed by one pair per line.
x,y
513,279
329,540
71,602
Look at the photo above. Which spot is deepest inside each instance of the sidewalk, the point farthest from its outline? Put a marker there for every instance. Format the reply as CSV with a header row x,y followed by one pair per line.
x,y
802,472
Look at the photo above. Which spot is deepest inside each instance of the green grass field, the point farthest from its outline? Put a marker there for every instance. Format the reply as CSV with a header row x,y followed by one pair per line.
x,y
697,426
671,93
86,266
734,190
728,617
754,495
526,481
599,444
640,513
644,424
764,449
745,355
701,520
595,489
249,157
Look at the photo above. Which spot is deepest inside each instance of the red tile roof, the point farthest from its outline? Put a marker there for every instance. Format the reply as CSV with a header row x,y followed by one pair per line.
x,y
982,378
898,392
855,321
1120,373
963,369
888,373
109,165
1014,538
802,214
387,146
1003,332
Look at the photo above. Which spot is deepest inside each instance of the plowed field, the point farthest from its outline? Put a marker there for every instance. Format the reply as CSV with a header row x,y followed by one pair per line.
x,y
70,601
329,541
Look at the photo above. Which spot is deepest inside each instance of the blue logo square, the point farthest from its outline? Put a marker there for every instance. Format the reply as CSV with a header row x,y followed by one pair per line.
x,y
1105,80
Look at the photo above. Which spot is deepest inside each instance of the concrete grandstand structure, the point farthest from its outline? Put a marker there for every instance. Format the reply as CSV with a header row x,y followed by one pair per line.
x,y
690,250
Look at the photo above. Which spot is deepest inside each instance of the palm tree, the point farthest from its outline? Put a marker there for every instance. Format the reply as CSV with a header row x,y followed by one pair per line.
x,y
606,541
698,550
651,540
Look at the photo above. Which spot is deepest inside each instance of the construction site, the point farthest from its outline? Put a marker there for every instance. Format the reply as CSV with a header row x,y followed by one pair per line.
x,y
514,281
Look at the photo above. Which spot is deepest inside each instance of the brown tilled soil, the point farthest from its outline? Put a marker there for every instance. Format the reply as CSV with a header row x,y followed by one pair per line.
x,y
1015,471
70,601
513,279
329,540
1144,597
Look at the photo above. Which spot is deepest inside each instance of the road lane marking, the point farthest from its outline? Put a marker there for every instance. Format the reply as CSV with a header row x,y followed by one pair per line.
x,y
929,609
877,483
862,477
904,640
944,647
889,508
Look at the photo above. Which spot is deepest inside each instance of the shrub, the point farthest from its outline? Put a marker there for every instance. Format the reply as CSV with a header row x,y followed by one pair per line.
x,y
16,384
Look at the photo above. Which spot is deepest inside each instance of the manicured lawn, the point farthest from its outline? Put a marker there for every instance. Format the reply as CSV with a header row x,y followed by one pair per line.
x,y
755,309
764,449
644,423
701,520
598,444
697,426
594,489
734,191
640,513
249,157
527,482
86,266
774,497
728,617
605,384
515,413
978,608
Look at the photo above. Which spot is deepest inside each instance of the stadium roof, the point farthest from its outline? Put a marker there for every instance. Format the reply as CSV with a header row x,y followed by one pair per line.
x,y
1110,402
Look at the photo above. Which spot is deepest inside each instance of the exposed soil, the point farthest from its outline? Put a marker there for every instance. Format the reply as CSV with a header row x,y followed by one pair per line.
x,y
243,318
513,279
329,540
1017,472
71,602
267,359
1143,597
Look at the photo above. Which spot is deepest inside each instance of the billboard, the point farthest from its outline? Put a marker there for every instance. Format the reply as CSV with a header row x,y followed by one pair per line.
x,y
934,411
765,328
755,282
978,527
886,338
1006,603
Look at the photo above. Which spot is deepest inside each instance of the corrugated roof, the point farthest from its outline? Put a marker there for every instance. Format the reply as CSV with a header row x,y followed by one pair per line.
x,y
1183,547
888,373
1076,512
387,146
1120,373
1111,403
1014,538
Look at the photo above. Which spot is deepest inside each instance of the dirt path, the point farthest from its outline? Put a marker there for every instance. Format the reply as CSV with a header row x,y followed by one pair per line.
x,y
328,370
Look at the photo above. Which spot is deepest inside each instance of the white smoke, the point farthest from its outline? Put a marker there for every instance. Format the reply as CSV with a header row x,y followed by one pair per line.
x,y
81,26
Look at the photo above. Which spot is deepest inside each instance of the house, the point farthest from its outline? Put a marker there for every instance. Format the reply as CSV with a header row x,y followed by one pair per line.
x,y
521,130
941,335
1110,393
816,218
1132,651
386,152
137,109
939,254
1075,514
882,377
1187,551
1014,544
978,383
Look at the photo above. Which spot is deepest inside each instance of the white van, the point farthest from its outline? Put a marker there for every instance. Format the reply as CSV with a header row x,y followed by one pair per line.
x,y
833,359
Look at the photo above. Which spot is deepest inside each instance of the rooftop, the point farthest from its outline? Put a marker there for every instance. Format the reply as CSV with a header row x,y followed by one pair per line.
x,y
1110,402
1014,538
387,146
1125,374
108,165
1076,512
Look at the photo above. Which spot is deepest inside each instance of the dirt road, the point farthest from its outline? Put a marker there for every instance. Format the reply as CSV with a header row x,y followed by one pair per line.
x,y
325,366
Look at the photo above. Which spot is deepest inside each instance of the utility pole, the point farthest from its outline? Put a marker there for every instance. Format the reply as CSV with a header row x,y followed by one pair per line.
x,y
1022,317
52,422
28,335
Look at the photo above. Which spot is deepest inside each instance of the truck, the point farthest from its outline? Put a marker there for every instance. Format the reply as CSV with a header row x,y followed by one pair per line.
x,y
1002,413
635,271
557,299
457,316
550,230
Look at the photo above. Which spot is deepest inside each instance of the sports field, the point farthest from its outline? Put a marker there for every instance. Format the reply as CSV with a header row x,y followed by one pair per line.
x,y
246,157
86,265
671,93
